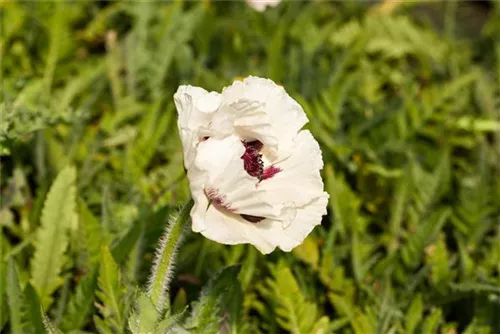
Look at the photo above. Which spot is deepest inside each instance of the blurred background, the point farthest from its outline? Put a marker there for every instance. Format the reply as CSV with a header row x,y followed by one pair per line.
x,y
404,98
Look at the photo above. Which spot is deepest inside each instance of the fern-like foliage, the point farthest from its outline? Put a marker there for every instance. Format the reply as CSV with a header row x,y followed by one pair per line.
x,y
293,311
413,251
52,236
474,202
414,314
93,234
80,304
359,321
428,187
111,296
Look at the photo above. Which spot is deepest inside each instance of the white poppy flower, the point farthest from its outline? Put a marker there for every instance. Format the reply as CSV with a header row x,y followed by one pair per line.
x,y
253,173
261,5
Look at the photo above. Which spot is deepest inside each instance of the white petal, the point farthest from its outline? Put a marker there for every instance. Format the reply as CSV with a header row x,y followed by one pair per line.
x,y
277,120
299,180
260,5
195,107
221,160
307,218
198,211
231,229
252,122
209,103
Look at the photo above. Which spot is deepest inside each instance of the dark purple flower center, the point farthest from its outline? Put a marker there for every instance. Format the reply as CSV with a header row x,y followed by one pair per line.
x,y
253,164
252,159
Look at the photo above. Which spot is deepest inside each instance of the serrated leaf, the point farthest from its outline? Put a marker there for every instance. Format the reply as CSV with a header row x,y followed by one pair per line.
x,y
92,232
220,298
52,236
32,310
110,295
145,317
294,312
14,298
437,257
357,319
49,326
80,304
413,251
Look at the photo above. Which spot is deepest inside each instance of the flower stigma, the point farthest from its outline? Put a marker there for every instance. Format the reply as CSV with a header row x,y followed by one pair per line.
x,y
253,164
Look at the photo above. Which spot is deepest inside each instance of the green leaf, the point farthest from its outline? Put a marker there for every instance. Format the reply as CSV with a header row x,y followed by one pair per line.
x,y
397,211
14,298
294,313
52,236
414,315
145,317
344,203
158,286
180,301
413,251
49,326
3,279
220,301
32,310
124,245
438,258
93,234
432,322
110,295
357,319
428,187
81,302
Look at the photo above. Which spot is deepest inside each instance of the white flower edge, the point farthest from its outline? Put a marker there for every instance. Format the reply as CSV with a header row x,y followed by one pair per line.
x,y
261,5
293,200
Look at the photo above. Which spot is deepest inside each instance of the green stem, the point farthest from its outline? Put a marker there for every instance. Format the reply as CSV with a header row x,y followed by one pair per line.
x,y
165,258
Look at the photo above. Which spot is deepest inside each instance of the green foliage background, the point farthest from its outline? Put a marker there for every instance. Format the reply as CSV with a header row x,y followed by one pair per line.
x,y
403,98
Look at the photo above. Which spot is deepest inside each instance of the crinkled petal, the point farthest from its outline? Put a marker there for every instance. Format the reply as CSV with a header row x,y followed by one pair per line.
x,y
294,233
277,120
230,229
235,188
195,107
299,180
